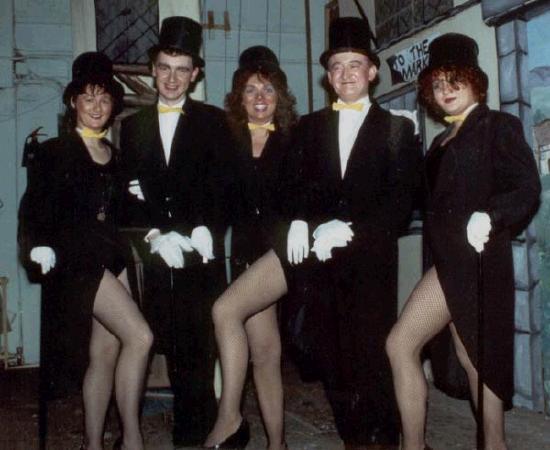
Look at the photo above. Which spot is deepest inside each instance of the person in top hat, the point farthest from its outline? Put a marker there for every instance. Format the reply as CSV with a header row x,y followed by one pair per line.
x,y
261,112
177,161
69,217
348,192
481,188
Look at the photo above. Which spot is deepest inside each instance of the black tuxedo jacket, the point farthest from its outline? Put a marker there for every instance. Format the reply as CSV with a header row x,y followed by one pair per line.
x,y
488,166
378,187
196,186
351,299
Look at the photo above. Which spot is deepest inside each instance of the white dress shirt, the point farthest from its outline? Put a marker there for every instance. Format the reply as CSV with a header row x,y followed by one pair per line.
x,y
167,126
349,122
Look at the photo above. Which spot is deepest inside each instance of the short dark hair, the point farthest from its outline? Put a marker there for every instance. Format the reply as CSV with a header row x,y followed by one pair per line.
x,y
79,86
454,74
285,112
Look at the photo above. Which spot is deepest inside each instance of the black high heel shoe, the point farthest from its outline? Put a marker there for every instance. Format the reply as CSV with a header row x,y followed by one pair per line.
x,y
238,440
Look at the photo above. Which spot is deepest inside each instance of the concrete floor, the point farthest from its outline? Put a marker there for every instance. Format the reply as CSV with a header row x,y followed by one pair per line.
x,y
309,423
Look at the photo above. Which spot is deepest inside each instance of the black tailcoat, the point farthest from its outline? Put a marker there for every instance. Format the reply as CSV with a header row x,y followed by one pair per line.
x,y
353,296
194,188
61,209
487,167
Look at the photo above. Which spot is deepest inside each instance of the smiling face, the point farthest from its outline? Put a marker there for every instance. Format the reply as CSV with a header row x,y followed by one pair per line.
x,y
350,75
173,74
452,97
93,108
259,100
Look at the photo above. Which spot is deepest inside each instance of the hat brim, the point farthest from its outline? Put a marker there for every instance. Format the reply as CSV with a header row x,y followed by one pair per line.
x,y
154,51
325,56
429,69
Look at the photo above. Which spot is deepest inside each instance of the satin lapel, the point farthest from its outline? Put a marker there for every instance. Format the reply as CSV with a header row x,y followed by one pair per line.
x,y
245,151
180,142
151,141
186,153
332,143
369,137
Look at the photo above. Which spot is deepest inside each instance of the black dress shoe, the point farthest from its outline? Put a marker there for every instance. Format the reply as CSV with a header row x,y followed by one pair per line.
x,y
238,440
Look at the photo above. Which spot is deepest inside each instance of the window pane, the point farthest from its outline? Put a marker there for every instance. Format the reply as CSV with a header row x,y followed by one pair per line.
x,y
395,18
126,29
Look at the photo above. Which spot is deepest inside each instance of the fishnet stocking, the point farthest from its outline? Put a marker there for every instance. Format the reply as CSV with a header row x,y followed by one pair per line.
x,y
255,291
424,315
116,318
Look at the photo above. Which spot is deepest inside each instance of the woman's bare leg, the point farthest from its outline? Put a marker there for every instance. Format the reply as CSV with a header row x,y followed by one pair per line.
x,y
424,315
493,409
259,287
262,330
119,315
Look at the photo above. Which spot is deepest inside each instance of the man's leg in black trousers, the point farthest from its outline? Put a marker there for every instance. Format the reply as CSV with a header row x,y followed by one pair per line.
x,y
365,414
195,405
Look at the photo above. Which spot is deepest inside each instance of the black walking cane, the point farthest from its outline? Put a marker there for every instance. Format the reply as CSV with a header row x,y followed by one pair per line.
x,y
31,161
480,435
174,364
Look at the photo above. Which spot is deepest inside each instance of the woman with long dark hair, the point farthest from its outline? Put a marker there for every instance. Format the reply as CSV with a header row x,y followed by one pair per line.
x,y
70,229
261,112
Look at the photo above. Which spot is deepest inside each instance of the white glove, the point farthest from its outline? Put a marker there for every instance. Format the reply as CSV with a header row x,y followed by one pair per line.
x,y
297,245
409,115
478,229
201,240
323,247
134,188
334,229
45,256
170,247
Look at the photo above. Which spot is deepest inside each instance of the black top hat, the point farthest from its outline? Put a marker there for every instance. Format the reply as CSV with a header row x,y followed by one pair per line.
x,y
92,65
182,34
349,34
451,49
94,68
259,58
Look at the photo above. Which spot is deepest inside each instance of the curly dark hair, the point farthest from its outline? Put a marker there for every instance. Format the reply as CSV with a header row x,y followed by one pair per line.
x,y
79,86
472,76
285,112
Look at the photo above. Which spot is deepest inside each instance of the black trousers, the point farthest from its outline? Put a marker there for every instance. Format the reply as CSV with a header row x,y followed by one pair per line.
x,y
347,318
177,304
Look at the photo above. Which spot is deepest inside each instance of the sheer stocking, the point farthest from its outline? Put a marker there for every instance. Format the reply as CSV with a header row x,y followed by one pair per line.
x,y
424,315
262,330
493,408
98,382
116,317
254,291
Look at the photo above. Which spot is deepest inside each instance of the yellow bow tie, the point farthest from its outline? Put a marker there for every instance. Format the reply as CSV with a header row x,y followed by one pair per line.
x,y
354,106
265,126
169,109
88,133
453,119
